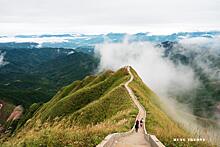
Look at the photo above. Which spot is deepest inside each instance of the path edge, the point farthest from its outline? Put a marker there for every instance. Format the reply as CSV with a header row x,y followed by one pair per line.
x,y
110,139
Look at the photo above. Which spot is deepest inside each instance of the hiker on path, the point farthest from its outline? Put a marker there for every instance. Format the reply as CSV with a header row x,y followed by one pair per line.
x,y
136,126
141,122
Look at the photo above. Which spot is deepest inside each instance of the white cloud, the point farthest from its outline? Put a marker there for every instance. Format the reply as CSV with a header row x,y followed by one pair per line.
x,y
2,61
206,53
162,76
158,73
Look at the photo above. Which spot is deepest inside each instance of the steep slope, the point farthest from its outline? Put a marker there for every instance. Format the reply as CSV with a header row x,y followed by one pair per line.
x,y
81,114
86,111
132,138
157,121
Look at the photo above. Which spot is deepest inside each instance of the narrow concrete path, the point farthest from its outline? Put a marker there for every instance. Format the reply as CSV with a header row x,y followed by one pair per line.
x,y
135,139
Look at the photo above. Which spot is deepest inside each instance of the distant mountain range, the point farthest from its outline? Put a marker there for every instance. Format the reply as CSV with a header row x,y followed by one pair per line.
x,y
81,40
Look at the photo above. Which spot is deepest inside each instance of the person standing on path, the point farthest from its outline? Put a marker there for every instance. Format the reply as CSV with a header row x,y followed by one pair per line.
x,y
136,125
141,122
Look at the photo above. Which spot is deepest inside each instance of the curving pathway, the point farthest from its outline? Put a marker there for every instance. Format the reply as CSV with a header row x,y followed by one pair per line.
x,y
135,139
132,138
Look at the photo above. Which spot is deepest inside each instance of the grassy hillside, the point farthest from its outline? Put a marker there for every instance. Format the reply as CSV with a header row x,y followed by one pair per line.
x,y
157,121
80,114
84,112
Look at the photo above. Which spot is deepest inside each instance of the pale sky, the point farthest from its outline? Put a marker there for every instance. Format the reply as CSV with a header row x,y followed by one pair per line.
x,y
97,16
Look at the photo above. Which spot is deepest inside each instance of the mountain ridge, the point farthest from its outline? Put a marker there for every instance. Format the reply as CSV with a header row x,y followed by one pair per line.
x,y
83,113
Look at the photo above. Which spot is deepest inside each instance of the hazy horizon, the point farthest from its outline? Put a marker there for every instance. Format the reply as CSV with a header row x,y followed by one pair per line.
x,y
39,29
98,16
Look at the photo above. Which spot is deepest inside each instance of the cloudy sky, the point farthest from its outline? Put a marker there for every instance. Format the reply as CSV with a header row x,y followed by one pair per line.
x,y
97,16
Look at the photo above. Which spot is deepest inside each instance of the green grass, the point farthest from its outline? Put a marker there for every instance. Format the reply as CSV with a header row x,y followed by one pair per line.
x,y
80,98
81,114
85,112
28,114
157,121
104,108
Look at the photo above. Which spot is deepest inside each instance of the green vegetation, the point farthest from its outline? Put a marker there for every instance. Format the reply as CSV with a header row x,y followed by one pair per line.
x,y
81,114
29,114
84,112
157,121
35,75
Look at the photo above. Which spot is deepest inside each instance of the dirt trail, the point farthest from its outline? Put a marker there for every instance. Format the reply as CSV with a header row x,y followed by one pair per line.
x,y
135,139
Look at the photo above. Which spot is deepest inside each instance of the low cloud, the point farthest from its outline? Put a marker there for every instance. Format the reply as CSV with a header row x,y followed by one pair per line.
x,y
163,76
2,61
159,73
206,53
